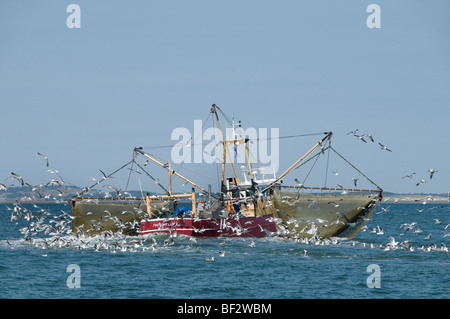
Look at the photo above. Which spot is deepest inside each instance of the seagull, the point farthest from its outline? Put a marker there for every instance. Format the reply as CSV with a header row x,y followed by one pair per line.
x,y
384,147
298,182
353,132
313,203
392,241
45,157
335,172
2,187
421,182
432,171
54,171
380,230
407,228
384,210
408,176
114,188
360,137
406,245
369,136
355,180
18,177
104,175
334,204
209,258
446,233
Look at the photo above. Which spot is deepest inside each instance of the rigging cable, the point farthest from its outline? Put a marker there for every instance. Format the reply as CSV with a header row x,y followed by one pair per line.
x,y
155,180
373,183
85,190
328,161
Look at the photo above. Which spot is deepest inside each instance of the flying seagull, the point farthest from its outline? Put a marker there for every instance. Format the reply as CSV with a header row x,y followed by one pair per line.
x,y
432,171
369,136
45,157
421,182
114,188
18,177
360,137
384,147
104,175
408,176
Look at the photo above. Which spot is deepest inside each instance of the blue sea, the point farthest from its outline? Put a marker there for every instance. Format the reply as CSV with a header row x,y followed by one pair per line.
x,y
364,267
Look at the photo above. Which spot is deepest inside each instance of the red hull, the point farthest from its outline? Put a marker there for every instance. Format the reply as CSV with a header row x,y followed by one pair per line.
x,y
260,226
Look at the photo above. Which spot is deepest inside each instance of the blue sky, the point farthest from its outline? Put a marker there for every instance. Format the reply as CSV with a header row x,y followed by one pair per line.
x,y
137,70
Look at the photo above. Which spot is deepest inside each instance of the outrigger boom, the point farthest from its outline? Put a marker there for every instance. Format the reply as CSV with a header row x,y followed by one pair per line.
x,y
329,134
170,171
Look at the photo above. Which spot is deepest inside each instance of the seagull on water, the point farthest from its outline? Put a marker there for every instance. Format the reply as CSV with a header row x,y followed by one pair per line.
x,y
392,241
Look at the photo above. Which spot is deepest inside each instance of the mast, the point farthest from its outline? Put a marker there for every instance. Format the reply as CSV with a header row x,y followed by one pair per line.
x,y
213,110
226,154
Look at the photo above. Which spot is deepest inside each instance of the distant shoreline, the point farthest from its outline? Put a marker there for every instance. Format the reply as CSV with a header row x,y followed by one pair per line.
x,y
394,199
415,199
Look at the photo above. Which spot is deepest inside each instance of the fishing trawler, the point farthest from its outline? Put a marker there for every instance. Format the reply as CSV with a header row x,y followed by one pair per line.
x,y
241,210
247,207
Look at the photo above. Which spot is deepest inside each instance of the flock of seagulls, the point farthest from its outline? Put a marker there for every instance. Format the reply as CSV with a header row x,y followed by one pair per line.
x,y
361,137
56,231
38,188
431,172
415,230
48,229
58,182
368,136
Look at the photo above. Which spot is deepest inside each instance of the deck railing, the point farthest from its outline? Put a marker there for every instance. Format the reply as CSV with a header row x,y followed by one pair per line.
x,y
330,190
